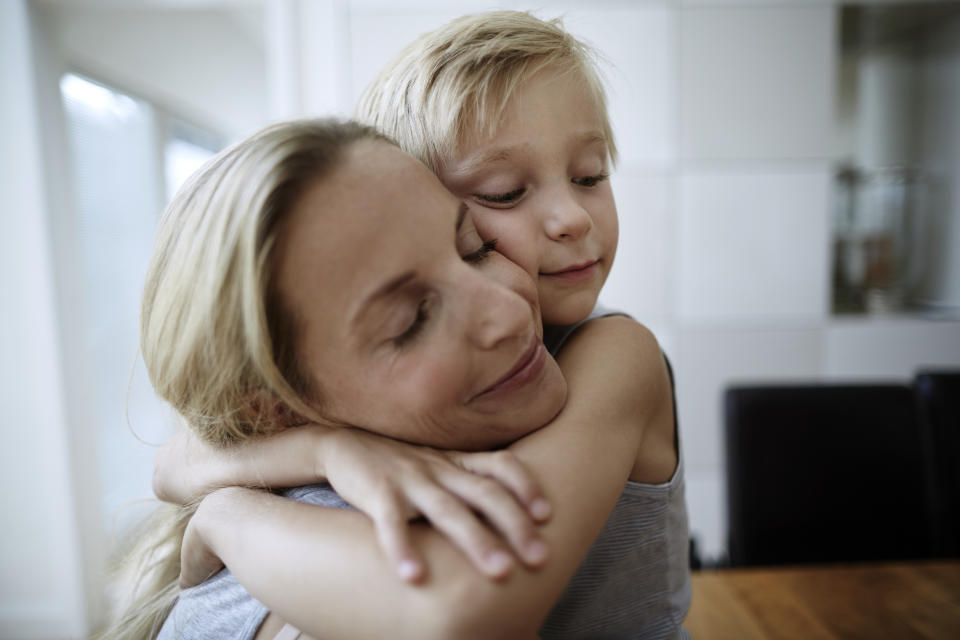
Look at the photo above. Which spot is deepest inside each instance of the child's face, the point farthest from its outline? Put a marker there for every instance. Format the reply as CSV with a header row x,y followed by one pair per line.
x,y
539,187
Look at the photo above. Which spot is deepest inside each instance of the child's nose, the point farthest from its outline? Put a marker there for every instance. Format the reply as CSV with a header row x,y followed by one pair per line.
x,y
565,217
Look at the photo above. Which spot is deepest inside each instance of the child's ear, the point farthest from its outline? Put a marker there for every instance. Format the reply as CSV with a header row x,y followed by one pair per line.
x,y
268,413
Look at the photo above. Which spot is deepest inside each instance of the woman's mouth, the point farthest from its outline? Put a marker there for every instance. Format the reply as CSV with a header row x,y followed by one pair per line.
x,y
526,369
574,273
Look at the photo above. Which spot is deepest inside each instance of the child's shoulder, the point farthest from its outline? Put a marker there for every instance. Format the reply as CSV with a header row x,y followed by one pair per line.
x,y
612,329
616,348
626,354
601,320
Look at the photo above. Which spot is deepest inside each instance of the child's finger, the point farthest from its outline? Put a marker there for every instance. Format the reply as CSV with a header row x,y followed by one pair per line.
x,y
452,517
504,467
394,536
501,509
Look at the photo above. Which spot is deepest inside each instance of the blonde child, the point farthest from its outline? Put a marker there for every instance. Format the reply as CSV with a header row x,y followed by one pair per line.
x,y
509,112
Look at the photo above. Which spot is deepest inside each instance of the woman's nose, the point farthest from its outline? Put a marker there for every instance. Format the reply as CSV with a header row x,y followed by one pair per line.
x,y
564,217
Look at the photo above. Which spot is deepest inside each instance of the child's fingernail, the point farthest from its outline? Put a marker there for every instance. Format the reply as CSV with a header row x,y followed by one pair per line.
x,y
536,552
408,570
540,509
498,562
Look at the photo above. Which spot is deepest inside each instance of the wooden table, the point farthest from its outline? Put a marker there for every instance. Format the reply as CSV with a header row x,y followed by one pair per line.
x,y
897,601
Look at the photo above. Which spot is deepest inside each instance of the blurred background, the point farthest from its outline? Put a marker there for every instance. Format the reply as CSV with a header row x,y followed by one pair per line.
x,y
789,196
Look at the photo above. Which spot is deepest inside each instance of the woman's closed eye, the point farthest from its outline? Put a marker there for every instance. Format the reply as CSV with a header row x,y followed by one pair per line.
x,y
475,257
415,326
423,307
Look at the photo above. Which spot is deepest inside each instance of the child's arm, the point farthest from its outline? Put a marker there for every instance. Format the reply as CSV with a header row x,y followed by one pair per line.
x,y
293,556
390,481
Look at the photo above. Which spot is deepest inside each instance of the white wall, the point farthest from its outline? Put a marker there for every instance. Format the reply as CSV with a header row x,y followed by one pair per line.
x,y
41,565
201,62
206,70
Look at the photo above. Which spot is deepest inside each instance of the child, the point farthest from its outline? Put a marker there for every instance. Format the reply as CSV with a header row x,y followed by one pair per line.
x,y
509,113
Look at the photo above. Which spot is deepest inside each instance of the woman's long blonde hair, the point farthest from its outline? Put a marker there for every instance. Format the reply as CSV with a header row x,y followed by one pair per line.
x,y
217,339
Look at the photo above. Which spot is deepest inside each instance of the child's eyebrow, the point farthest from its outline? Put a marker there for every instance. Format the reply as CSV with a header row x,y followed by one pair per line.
x,y
488,157
590,138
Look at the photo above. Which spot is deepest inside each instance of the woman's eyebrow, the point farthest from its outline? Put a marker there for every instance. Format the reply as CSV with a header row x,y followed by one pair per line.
x,y
383,291
394,284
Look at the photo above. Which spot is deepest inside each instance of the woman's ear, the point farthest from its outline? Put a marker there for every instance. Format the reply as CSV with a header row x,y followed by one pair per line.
x,y
269,413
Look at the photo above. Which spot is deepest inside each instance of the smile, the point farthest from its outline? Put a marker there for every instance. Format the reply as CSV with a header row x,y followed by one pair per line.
x,y
527,368
576,273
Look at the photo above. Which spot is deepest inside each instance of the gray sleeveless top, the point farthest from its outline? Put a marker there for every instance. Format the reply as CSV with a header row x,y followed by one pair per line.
x,y
633,583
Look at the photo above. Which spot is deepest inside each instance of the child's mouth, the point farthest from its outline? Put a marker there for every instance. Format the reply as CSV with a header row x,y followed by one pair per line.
x,y
576,273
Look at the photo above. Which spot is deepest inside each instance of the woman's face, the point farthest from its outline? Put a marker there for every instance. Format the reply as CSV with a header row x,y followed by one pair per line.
x,y
407,325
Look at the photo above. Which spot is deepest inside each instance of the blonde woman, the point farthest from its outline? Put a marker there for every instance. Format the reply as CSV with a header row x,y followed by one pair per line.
x,y
315,272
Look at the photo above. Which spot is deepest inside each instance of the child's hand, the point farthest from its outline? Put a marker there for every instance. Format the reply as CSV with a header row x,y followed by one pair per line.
x,y
478,500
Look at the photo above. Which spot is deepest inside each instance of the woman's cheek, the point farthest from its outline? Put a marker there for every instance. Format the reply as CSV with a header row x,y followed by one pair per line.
x,y
439,385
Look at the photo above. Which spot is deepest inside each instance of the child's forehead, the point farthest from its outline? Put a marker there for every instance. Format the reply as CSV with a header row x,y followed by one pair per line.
x,y
483,119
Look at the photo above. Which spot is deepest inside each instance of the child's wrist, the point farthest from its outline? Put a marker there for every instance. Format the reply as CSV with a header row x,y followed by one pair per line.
x,y
322,442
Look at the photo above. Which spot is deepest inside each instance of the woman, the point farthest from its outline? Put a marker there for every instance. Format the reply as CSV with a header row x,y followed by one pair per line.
x,y
286,322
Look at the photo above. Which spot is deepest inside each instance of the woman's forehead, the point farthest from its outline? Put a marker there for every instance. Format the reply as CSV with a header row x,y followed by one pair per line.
x,y
378,216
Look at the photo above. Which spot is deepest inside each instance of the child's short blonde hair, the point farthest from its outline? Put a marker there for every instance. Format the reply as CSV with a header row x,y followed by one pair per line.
x,y
457,80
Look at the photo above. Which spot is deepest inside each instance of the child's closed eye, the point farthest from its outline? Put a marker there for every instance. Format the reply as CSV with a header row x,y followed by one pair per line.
x,y
506,198
591,181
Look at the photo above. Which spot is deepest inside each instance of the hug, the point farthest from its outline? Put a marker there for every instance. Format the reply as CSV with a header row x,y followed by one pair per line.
x,y
404,413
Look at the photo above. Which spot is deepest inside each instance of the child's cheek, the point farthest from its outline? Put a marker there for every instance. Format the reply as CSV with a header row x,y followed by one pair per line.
x,y
514,239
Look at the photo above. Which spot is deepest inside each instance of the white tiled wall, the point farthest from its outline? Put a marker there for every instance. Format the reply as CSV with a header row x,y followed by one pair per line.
x,y
752,245
379,33
756,81
889,348
638,282
638,42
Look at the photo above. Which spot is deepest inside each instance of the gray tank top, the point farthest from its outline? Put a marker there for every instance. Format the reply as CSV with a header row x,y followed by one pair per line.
x,y
633,583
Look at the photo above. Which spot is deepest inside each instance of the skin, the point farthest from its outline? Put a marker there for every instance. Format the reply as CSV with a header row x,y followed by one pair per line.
x,y
455,356
539,185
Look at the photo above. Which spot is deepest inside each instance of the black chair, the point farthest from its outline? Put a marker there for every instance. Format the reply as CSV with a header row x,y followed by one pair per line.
x,y
938,404
825,473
